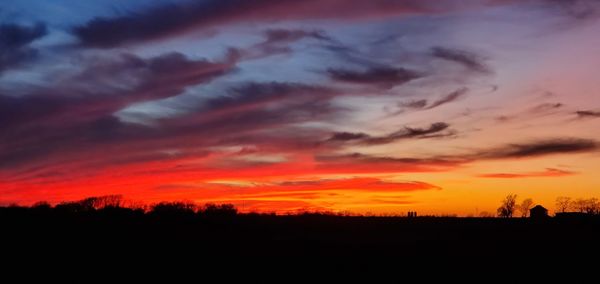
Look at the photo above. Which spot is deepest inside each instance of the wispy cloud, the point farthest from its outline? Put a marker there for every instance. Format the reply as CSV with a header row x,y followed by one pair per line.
x,y
165,20
435,130
549,172
384,77
588,114
538,149
469,60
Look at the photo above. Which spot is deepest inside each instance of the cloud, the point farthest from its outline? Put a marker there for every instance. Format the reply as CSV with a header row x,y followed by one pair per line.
x,y
449,98
277,41
588,114
77,109
417,104
539,148
15,41
385,77
549,172
577,9
107,84
358,162
261,114
469,60
287,35
546,107
364,184
300,187
423,104
348,136
167,20
433,131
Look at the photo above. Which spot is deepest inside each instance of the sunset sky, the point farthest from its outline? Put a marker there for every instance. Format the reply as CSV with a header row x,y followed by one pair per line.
x,y
380,106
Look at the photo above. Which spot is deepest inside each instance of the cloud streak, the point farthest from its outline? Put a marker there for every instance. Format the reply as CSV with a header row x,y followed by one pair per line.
x,y
588,114
167,20
549,172
469,60
384,77
435,130
539,148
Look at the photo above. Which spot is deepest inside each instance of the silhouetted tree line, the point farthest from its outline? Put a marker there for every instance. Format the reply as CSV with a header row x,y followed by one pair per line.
x,y
563,204
589,206
115,204
509,206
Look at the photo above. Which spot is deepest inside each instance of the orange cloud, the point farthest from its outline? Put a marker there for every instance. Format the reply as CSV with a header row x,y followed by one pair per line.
x,y
549,172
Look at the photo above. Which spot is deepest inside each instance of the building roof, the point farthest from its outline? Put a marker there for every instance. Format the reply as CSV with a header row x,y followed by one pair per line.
x,y
539,207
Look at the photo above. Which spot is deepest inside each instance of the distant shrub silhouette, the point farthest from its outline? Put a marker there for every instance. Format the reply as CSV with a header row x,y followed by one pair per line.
x,y
214,210
173,209
73,207
41,206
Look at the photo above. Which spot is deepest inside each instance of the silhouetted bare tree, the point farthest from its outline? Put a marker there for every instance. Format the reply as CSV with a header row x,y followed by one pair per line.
x,y
580,204
592,206
507,209
524,207
563,204
108,201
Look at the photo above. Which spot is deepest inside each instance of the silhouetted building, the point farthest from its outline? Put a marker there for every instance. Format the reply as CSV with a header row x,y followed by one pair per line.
x,y
538,212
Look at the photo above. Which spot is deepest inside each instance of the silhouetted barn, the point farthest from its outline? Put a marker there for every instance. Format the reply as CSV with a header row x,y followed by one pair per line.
x,y
538,212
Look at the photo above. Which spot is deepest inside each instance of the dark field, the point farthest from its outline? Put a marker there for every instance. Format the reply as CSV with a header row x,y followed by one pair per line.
x,y
226,235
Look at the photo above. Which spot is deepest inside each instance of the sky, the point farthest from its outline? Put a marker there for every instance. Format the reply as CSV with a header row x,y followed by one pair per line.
x,y
380,107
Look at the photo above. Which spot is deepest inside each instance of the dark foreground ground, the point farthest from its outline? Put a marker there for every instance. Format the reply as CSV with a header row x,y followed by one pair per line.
x,y
251,242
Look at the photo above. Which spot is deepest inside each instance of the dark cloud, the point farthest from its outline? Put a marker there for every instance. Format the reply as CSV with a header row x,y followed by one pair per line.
x,y
422,104
348,136
172,19
228,120
577,9
435,130
545,107
384,77
449,98
277,41
285,35
418,104
467,59
260,94
108,84
359,161
539,148
14,44
77,110
588,114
